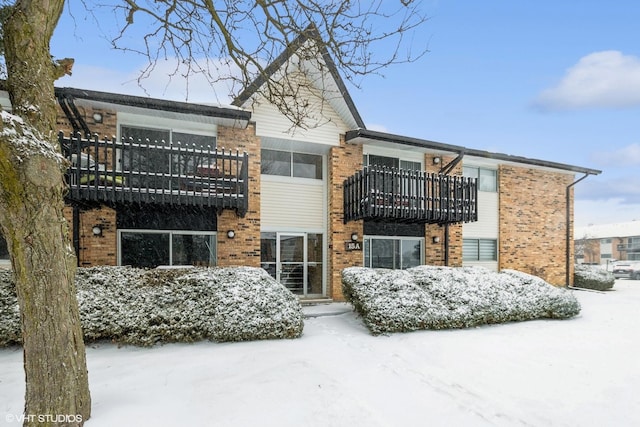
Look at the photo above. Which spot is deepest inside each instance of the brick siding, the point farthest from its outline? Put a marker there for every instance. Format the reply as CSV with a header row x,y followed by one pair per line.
x,y
533,222
344,161
244,248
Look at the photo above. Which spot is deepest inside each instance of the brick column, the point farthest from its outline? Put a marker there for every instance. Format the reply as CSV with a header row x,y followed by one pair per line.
x,y
344,161
533,222
95,249
435,252
244,248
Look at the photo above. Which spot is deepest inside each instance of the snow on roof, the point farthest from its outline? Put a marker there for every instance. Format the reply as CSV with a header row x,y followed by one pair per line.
x,y
602,231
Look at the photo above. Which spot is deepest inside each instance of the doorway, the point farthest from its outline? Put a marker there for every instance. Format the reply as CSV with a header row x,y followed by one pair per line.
x,y
295,260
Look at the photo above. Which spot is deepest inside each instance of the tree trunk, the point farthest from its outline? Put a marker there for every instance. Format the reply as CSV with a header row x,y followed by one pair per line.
x,y
31,214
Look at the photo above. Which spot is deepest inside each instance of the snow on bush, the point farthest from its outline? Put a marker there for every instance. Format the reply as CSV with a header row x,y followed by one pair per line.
x,y
145,307
592,277
429,297
9,314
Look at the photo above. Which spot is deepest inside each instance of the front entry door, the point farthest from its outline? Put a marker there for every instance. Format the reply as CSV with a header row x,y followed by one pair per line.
x,y
295,260
290,264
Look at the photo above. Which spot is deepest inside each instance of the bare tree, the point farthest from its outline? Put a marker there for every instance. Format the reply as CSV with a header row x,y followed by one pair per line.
x,y
31,214
233,40
239,42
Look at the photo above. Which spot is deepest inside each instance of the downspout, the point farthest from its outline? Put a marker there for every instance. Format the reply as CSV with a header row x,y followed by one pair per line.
x,y
76,232
446,170
568,236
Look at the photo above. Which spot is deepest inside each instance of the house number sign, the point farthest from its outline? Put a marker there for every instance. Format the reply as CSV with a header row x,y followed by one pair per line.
x,y
353,246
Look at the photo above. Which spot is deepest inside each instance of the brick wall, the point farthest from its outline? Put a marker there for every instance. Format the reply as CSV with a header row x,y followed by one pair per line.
x,y
95,249
106,128
435,252
344,161
244,248
533,222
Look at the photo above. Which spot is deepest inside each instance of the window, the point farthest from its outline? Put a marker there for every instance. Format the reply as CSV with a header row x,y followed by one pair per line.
x,y
394,253
152,248
487,178
479,250
168,136
285,163
155,162
391,162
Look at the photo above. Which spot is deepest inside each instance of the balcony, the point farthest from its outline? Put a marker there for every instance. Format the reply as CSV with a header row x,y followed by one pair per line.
x,y
391,194
629,247
146,172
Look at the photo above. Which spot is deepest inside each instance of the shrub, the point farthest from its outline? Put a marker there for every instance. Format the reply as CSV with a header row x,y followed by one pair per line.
x,y
592,277
145,307
428,297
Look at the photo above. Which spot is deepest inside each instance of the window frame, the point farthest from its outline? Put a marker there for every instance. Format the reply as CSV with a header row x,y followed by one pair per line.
x,y
477,254
213,260
291,155
484,176
397,256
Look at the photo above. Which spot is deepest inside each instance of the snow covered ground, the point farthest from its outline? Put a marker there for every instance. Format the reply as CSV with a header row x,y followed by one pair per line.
x,y
579,372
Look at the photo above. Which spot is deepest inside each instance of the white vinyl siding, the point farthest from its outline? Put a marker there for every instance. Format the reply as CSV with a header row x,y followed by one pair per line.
x,y
270,122
487,226
292,205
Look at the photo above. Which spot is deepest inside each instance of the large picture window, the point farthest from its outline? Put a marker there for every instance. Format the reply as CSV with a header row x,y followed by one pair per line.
x,y
153,248
394,253
150,153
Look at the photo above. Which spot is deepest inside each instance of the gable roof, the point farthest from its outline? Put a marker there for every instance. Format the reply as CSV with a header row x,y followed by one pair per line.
x,y
309,33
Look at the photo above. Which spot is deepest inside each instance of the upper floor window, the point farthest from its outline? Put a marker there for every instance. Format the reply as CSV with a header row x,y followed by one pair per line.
x,y
391,162
286,163
158,136
487,178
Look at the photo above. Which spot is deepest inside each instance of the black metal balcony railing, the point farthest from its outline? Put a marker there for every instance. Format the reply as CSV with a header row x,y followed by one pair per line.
x,y
391,194
154,172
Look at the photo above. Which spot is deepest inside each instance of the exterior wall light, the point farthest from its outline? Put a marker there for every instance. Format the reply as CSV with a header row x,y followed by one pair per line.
x,y
436,160
436,239
354,237
97,230
97,117
231,234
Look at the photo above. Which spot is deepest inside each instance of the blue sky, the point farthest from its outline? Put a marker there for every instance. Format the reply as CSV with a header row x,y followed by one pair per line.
x,y
553,80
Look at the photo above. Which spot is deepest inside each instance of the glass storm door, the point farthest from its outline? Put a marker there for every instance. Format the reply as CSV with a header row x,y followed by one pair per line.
x,y
290,264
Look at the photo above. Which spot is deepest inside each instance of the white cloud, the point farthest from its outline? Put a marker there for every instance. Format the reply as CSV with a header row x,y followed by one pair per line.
x,y
606,79
160,83
621,157
606,211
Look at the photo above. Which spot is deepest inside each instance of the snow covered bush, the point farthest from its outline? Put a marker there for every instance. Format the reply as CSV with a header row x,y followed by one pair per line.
x,y
592,277
429,297
145,307
9,315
